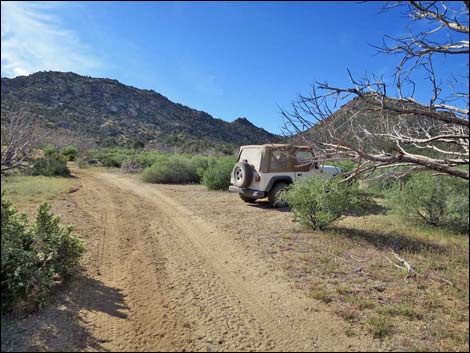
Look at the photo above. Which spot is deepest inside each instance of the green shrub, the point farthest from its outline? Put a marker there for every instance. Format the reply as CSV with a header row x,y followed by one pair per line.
x,y
131,166
217,175
70,153
50,150
53,165
112,161
379,326
146,159
317,202
137,144
82,163
111,157
434,200
34,257
201,163
172,170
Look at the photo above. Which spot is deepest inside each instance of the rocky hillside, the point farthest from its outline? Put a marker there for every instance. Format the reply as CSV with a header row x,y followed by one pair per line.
x,y
105,111
350,122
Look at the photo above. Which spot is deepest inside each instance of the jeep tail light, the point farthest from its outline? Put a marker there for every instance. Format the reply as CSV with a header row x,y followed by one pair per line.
x,y
257,178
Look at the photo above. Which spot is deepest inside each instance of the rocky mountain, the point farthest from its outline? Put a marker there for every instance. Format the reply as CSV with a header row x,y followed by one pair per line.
x,y
105,111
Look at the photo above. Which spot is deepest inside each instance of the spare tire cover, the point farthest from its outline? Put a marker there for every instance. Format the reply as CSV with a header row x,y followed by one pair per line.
x,y
242,175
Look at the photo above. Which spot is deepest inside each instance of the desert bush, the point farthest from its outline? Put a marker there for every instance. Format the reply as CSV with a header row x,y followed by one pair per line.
x,y
82,163
50,150
52,165
173,170
131,166
317,202
217,175
435,200
137,144
112,160
69,152
36,256
201,163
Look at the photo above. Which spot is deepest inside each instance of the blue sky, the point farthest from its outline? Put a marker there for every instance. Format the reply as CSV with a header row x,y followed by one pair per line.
x,y
229,59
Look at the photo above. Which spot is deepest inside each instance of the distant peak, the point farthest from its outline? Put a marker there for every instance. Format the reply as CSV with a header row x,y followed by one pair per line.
x,y
243,121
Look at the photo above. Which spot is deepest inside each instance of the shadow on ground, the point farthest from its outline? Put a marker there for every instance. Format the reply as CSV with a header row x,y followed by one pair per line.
x,y
386,240
58,326
266,206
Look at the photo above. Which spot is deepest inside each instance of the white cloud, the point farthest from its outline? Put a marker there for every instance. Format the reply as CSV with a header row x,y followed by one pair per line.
x,y
35,39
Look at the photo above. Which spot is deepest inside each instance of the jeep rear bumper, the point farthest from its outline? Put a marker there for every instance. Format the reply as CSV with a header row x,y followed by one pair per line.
x,y
248,192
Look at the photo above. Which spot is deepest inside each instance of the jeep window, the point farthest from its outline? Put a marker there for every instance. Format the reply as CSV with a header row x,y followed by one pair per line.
x,y
303,157
252,156
280,161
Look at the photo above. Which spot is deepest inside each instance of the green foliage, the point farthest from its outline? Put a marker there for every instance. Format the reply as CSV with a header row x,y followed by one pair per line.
x,y
434,200
173,170
70,153
24,190
201,163
34,256
159,167
137,144
52,165
379,327
114,157
108,141
50,150
317,202
217,175
345,165
82,163
111,161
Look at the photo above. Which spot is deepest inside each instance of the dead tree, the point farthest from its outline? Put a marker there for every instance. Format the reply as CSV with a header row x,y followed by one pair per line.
x,y
18,137
384,127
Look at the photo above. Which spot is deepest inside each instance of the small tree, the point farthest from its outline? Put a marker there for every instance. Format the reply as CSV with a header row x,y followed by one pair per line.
x,y
18,137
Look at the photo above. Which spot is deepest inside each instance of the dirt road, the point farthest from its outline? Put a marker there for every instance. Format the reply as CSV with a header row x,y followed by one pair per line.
x,y
164,278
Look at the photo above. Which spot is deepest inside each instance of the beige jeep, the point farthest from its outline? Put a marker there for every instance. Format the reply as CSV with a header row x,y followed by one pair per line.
x,y
267,170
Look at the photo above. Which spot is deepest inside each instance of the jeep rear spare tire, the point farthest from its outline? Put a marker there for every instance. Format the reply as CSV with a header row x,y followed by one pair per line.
x,y
242,175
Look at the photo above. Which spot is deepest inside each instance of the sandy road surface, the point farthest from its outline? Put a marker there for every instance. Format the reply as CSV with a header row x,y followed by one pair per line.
x,y
171,280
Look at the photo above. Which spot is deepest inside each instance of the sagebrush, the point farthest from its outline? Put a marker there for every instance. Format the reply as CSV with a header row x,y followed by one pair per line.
x,y
217,174
435,200
35,256
317,202
172,170
69,152
51,165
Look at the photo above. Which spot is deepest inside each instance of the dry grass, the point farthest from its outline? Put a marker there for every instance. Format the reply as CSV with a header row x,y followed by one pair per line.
x,y
29,191
424,311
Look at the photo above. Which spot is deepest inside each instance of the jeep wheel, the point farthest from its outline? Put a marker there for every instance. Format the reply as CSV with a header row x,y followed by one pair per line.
x,y
242,175
247,199
275,195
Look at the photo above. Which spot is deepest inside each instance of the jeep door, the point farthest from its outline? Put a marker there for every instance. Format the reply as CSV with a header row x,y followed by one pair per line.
x,y
304,164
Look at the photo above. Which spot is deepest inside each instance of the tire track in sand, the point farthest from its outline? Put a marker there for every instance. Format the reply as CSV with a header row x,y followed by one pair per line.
x,y
189,286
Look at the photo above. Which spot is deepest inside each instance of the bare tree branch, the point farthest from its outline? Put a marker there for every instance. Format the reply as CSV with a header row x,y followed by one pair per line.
x,y
382,131
18,137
